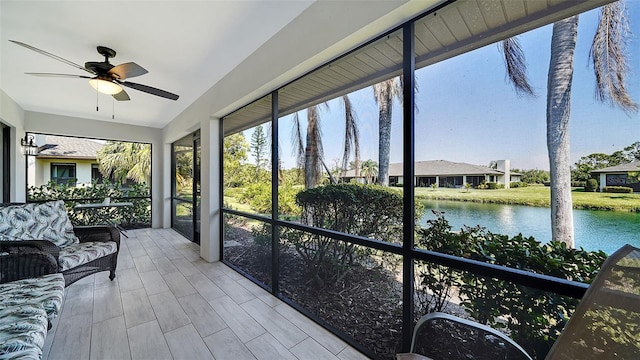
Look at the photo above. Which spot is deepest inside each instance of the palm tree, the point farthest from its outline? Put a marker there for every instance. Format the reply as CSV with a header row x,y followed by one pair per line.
x,y
384,93
369,170
351,137
309,153
125,160
608,55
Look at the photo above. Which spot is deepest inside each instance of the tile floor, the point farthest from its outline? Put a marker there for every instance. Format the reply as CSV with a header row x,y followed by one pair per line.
x,y
168,303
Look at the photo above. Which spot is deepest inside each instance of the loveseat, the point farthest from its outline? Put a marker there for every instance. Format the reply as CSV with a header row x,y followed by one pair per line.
x,y
31,294
45,227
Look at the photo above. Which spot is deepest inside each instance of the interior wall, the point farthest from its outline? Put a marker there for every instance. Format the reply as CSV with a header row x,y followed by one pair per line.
x,y
12,115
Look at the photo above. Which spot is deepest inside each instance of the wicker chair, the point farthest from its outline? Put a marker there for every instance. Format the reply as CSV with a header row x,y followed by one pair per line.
x,y
86,250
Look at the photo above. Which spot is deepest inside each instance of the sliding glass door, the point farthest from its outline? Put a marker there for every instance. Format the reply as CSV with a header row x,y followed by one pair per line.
x,y
185,212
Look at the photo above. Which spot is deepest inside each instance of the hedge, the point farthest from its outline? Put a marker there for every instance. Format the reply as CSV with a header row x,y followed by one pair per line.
x,y
618,189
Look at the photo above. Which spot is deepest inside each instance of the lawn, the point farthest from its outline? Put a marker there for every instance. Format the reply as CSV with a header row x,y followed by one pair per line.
x,y
535,196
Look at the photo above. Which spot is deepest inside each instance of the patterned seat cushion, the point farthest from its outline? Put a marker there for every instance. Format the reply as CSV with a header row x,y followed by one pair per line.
x,y
47,291
82,253
45,221
23,329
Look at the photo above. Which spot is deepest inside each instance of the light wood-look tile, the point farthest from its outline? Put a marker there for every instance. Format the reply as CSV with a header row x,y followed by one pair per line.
x,y
109,340
309,349
226,345
147,342
205,287
128,279
178,284
169,305
237,292
144,263
317,332
163,264
78,299
350,353
242,324
153,282
106,303
266,347
168,311
137,308
202,315
185,343
73,338
283,330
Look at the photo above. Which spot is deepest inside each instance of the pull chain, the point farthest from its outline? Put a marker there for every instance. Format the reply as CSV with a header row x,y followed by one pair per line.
x,y
97,97
113,108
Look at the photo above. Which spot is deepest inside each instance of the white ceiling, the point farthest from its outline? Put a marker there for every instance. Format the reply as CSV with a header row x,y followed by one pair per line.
x,y
187,46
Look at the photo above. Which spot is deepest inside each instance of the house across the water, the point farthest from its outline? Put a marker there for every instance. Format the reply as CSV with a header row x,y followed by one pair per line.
x,y
449,174
619,175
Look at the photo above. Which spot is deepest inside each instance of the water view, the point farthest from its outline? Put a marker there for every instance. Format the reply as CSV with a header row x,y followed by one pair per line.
x,y
594,230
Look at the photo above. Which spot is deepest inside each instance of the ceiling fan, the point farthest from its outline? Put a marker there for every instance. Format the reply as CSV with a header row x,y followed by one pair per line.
x,y
106,78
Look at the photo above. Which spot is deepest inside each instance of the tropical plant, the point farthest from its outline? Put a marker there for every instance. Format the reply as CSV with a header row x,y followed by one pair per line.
x,y
608,55
384,93
610,64
309,153
235,169
369,170
125,160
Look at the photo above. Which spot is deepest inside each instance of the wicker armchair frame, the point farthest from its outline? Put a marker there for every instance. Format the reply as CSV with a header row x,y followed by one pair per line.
x,y
92,233
22,262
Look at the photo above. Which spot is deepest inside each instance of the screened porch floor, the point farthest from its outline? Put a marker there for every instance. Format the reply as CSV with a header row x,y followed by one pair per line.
x,y
168,303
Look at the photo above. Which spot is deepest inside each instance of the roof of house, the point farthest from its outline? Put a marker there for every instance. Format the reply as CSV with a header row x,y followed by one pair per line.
x,y
440,168
632,166
64,147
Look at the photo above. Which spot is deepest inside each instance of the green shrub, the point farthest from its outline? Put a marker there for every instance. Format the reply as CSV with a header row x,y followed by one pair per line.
x,y
591,185
366,210
138,194
618,189
518,184
533,318
580,184
494,186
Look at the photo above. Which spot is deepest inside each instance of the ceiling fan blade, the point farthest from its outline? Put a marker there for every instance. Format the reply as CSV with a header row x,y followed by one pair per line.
x,y
121,96
150,90
59,75
52,56
127,70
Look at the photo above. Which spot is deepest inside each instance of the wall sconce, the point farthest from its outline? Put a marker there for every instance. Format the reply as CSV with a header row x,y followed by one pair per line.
x,y
29,147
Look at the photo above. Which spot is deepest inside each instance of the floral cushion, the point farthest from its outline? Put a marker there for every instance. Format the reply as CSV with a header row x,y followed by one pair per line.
x,y
22,331
82,253
46,291
45,221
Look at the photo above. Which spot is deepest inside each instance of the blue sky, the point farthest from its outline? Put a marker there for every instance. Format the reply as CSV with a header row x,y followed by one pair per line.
x,y
468,112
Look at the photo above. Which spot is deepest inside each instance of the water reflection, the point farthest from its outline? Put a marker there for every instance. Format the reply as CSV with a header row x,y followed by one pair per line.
x,y
594,230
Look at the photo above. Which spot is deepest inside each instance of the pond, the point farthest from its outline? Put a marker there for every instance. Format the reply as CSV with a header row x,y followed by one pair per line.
x,y
594,230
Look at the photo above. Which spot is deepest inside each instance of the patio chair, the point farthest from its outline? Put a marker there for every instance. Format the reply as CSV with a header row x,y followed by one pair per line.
x,y
78,251
442,336
606,323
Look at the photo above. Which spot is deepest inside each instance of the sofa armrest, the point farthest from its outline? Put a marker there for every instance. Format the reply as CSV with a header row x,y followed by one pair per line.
x,y
26,264
30,246
99,233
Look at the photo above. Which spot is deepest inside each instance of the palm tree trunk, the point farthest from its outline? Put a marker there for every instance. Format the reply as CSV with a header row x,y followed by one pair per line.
x,y
560,76
385,140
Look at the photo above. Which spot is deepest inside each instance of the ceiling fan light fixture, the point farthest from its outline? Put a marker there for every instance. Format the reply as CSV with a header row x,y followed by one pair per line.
x,y
105,86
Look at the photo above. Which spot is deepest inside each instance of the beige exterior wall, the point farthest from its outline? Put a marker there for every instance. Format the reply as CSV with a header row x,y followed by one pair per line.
x,y
41,173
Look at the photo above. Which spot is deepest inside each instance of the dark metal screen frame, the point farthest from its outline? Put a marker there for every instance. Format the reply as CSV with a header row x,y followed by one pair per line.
x,y
407,250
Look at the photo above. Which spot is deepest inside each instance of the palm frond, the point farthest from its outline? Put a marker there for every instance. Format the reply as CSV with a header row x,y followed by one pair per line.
x,y
608,55
351,136
516,66
297,142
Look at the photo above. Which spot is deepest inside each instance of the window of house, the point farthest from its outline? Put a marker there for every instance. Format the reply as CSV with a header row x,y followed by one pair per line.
x,y
63,174
96,175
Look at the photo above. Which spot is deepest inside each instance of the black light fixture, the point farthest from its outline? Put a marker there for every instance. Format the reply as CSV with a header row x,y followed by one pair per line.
x,y
29,147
